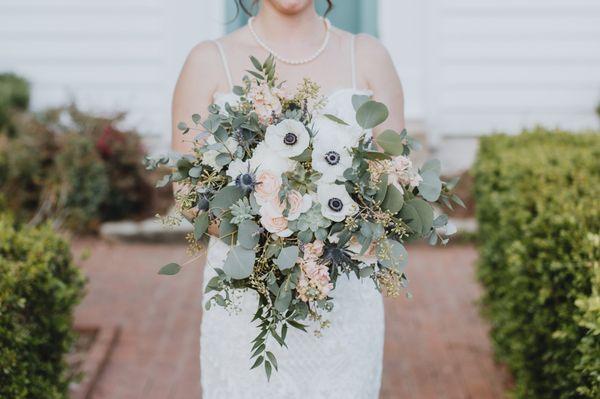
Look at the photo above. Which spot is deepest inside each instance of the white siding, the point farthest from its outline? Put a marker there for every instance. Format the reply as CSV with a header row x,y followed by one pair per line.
x,y
108,55
504,64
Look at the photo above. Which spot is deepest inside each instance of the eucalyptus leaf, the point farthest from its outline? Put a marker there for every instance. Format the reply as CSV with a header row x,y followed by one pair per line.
x,y
239,263
393,201
440,221
170,269
200,225
287,257
390,142
392,255
195,172
371,114
431,185
433,165
224,198
284,298
248,234
358,100
382,188
418,215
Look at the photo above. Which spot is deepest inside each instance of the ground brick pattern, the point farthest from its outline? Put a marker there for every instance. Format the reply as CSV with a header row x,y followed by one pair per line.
x,y
436,344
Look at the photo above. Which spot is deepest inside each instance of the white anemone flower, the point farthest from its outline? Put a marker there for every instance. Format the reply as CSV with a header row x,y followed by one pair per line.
x,y
264,158
327,131
289,138
335,202
331,160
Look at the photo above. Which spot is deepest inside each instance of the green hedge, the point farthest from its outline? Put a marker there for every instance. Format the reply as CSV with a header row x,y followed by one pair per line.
x,y
538,208
14,95
39,287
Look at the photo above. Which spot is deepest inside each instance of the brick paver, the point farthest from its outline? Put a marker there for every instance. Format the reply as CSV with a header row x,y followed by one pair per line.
x,y
436,344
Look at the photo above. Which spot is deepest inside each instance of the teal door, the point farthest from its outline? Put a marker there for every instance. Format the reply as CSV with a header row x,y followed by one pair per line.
x,y
356,16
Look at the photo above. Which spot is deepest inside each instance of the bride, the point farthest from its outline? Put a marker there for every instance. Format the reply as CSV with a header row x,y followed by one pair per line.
x,y
344,360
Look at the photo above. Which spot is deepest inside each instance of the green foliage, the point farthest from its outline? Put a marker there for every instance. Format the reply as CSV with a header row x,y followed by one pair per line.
x,y
539,216
39,287
14,96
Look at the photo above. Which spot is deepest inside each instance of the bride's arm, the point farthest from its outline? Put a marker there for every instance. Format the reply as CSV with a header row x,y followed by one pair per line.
x,y
197,82
375,66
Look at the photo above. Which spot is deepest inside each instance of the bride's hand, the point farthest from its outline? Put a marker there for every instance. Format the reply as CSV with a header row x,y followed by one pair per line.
x,y
213,229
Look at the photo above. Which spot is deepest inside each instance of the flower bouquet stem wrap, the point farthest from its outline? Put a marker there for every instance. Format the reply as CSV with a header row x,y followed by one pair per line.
x,y
302,197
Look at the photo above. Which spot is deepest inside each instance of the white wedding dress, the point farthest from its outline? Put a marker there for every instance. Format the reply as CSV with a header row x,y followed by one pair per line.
x,y
344,363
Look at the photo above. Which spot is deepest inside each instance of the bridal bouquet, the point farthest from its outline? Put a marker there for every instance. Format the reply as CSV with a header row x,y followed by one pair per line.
x,y
302,197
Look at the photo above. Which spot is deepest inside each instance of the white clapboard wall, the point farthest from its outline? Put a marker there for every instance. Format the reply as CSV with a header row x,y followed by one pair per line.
x,y
478,66
108,55
505,64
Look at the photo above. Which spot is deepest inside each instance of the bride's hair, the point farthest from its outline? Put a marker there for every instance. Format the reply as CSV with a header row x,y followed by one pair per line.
x,y
240,5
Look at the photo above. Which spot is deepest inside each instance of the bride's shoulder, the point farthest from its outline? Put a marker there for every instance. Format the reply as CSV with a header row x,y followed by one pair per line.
x,y
371,48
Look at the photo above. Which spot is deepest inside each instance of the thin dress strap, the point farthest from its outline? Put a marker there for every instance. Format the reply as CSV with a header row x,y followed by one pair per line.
x,y
353,60
225,63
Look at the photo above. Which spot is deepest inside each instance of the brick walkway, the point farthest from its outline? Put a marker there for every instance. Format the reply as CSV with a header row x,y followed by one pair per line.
x,y
436,345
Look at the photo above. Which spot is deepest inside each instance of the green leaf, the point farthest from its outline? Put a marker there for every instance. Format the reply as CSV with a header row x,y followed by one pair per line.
x,y
336,119
433,165
256,63
256,75
195,172
452,183
258,362
238,90
376,155
227,231
239,263
392,255
283,299
305,156
196,118
418,215
393,200
223,159
390,142
182,126
224,198
457,200
382,188
440,221
431,186
358,100
247,234
170,269
272,359
371,114
200,225
287,258
268,370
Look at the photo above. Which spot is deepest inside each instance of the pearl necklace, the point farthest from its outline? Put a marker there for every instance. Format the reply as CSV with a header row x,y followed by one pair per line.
x,y
287,60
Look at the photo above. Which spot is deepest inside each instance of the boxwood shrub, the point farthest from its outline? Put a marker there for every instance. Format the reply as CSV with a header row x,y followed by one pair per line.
x,y
538,209
39,287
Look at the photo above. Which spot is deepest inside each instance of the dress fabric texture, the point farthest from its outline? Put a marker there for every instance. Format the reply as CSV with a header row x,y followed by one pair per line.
x,y
345,362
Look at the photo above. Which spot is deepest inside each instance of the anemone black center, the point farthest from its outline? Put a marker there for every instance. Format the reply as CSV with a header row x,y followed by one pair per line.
x,y
290,139
332,158
335,204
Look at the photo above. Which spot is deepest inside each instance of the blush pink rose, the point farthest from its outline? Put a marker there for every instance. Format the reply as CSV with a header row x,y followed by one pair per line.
x,y
268,187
